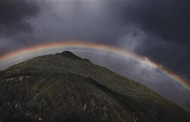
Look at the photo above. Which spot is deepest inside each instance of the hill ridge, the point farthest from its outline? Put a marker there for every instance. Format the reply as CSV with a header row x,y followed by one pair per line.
x,y
62,88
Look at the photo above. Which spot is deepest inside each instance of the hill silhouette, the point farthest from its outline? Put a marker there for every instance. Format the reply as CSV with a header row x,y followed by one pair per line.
x,y
66,88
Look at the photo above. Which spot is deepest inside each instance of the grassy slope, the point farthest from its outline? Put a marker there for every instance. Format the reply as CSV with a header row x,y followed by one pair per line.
x,y
60,86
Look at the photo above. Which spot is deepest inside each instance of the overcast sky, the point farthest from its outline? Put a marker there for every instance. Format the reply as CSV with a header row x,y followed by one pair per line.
x,y
157,29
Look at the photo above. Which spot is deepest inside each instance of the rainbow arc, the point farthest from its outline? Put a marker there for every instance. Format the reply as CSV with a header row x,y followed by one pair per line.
x,y
99,47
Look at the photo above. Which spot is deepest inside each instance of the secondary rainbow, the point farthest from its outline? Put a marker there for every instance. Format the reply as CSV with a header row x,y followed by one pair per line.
x,y
99,47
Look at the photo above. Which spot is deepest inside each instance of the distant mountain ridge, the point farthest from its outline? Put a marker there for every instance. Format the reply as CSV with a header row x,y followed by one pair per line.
x,y
65,87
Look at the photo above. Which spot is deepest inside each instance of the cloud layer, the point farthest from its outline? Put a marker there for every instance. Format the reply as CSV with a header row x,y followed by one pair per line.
x,y
14,15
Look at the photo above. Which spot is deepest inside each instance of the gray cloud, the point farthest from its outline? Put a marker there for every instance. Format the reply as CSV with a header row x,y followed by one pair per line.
x,y
14,15
167,24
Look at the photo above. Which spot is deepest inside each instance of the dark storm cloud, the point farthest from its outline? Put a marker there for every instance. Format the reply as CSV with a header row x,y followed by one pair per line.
x,y
168,19
14,15
167,24
157,29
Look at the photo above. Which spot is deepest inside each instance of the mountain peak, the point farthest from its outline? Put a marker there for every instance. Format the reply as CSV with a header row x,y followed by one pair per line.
x,y
69,54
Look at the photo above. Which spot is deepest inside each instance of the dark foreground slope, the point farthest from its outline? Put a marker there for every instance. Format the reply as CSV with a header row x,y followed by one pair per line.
x,y
66,88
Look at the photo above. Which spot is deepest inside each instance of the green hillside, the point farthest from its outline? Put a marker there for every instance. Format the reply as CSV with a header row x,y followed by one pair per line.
x,y
66,88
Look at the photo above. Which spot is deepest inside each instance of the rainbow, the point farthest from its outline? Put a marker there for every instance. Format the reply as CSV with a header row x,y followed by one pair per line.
x,y
105,48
